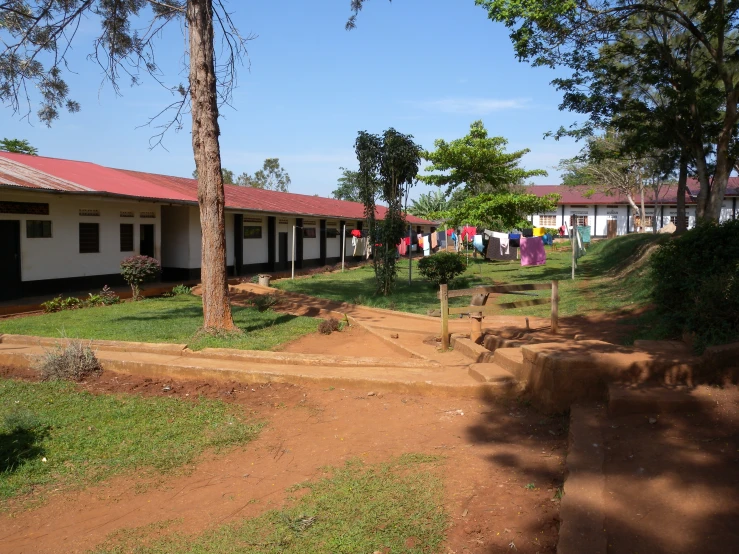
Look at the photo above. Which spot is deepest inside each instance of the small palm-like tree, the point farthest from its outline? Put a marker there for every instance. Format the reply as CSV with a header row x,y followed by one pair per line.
x,y
429,205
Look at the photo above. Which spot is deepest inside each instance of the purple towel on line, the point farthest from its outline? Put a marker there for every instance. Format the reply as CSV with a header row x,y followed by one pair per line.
x,y
532,251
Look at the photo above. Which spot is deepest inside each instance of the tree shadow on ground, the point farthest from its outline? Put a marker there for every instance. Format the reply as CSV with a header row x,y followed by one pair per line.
x,y
22,443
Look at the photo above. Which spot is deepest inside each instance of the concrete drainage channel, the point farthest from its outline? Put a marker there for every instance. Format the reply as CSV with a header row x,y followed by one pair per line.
x,y
176,361
597,382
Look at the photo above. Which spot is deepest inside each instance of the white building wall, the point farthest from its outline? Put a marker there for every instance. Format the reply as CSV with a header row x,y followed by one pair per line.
x,y
333,245
195,238
256,251
312,246
59,257
176,236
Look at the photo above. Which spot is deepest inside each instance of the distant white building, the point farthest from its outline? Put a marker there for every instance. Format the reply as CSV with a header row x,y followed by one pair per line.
x,y
66,225
599,210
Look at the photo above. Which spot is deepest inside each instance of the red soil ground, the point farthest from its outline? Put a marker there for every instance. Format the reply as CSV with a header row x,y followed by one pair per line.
x,y
491,451
672,481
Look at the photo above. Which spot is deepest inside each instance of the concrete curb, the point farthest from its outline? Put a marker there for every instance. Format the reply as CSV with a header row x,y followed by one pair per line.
x,y
582,510
190,371
252,356
475,352
391,342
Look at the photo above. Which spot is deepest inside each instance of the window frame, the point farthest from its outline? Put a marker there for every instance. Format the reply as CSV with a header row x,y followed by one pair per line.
x,y
89,226
133,241
251,234
30,225
550,223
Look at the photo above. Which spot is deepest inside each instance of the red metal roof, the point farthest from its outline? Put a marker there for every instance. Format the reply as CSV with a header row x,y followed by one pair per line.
x,y
37,172
668,194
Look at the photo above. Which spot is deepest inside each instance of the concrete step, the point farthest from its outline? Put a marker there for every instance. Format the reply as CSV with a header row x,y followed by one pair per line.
x,y
475,352
490,373
493,342
624,400
511,359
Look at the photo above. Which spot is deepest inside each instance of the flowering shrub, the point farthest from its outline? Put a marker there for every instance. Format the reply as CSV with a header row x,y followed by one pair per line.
x,y
138,270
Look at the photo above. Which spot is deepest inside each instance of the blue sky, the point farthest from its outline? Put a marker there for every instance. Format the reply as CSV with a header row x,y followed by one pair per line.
x,y
425,67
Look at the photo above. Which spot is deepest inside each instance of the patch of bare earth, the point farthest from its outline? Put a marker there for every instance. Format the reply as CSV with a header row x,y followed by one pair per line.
x,y
352,341
672,480
492,452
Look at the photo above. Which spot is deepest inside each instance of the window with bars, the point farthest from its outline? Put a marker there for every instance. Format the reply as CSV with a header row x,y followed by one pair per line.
x,y
89,238
547,221
647,221
38,229
252,232
126,237
29,208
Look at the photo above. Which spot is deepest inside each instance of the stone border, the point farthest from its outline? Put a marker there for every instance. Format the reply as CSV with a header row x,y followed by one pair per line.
x,y
582,510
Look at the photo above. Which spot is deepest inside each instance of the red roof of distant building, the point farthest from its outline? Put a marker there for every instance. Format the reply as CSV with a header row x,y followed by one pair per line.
x,y
668,194
37,172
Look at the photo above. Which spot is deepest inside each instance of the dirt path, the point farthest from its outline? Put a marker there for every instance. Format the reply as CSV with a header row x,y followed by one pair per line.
x,y
491,452
672,480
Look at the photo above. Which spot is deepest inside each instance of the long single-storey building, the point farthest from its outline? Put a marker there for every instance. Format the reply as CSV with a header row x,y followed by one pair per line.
x,y
66,225
600,211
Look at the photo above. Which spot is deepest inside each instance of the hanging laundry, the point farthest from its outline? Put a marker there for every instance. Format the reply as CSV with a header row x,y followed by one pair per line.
x,y
407,241
359,246
539,231
356,233
420,241
402,248
528,233
547,240
514,240
434,240
585,232
562,230
468,233
449,232
504,242
532,251
477,243
426,246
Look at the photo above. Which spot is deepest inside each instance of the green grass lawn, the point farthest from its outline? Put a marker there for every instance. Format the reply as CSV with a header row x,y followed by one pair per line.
x,y
85,438
594,289
390,507
175,319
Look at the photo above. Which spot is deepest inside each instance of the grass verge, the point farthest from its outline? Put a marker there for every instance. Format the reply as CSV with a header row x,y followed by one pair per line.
x,y
53,433
604,282
390,507
175,319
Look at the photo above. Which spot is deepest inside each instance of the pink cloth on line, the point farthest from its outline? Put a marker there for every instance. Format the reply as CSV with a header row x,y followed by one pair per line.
x,y
402,248
532,251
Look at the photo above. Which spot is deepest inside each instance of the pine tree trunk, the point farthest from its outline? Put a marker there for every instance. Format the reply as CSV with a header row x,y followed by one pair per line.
x,y
205,131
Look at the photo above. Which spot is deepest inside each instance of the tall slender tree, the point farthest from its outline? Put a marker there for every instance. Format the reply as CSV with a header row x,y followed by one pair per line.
x,y
36,38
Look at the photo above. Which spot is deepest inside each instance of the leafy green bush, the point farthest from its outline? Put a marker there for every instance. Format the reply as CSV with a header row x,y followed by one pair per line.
x,y
108,296
58,304
181,290
441,268
138,270
696,283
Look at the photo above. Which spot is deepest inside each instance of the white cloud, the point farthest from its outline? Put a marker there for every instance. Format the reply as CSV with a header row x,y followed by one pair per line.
x,y
474,106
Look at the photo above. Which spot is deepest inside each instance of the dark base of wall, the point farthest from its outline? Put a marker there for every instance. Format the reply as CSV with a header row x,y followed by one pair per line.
x,y
180,274
187,274
69,284
253,269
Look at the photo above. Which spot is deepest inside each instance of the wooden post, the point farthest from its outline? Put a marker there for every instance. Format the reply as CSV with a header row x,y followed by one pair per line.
x,y
555,307
476,332
444,317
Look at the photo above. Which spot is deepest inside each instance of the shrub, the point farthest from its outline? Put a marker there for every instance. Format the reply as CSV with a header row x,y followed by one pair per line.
x,y
328,326
695,280
58,304
53,305
441,268
74,362
181,290
264,302
109,296
137,270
